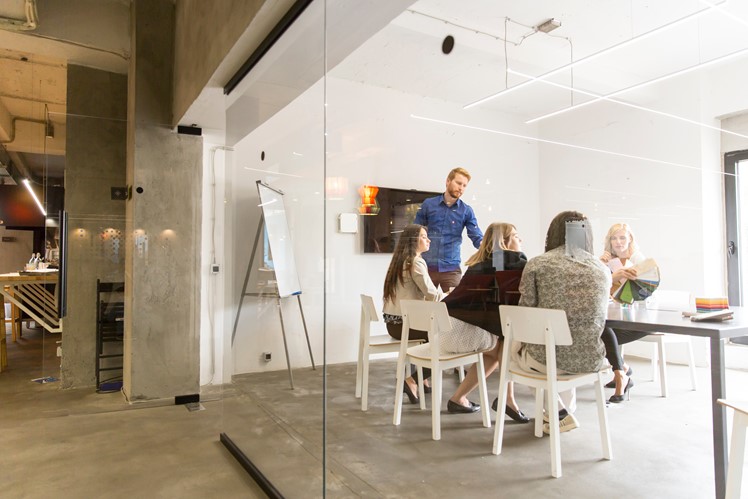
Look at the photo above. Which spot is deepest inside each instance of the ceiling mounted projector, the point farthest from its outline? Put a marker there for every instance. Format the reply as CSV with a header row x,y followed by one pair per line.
x,y
548,26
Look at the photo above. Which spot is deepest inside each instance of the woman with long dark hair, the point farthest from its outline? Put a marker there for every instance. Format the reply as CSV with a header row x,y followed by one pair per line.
x,y
408,279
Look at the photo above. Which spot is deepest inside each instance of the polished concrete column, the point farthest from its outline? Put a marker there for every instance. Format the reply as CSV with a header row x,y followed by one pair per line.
x,y
164,169
94,162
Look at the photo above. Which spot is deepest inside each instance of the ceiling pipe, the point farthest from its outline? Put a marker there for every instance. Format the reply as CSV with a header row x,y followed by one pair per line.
x,y
28,24
49,130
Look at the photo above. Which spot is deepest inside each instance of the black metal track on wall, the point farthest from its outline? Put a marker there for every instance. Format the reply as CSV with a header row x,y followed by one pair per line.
x,y
265,484
288,19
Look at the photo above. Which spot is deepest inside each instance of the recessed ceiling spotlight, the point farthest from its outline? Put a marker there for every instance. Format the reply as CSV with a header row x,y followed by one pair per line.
x,y
548,26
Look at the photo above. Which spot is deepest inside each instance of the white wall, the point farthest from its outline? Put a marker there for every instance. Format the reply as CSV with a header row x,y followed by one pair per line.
x,y
214,313
676,210
661,175
372,138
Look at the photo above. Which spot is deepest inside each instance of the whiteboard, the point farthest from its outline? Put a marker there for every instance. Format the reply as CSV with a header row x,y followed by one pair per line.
x,y
279,237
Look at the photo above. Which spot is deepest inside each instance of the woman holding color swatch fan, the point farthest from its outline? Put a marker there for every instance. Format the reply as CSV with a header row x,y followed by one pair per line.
x,y
620,255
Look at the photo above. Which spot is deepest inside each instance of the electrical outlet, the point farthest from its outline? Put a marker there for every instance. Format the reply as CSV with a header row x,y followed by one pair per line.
x,y
215,268
267,356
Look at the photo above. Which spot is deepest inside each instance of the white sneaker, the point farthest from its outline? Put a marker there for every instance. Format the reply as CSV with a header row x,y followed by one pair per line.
x,y
567,424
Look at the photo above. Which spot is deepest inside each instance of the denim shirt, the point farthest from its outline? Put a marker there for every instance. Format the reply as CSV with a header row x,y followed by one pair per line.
x,y
445,225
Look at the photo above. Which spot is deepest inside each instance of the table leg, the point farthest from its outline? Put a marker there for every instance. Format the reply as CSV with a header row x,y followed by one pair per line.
x,y
3,340
719,416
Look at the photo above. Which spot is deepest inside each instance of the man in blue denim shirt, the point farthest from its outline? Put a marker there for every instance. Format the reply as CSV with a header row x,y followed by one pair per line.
x,y
446,216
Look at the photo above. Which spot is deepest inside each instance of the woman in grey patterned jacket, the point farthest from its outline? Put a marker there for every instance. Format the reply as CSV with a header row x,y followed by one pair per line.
x,y
574,280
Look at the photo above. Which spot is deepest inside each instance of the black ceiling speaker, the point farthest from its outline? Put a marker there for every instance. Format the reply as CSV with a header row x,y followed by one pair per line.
x,y
448,44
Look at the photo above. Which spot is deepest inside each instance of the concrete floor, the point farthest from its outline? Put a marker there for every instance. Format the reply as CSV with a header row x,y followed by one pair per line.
x,y
77,443
80,444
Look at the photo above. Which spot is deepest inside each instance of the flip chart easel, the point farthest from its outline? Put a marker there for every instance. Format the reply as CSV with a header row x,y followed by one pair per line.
x,y
273,220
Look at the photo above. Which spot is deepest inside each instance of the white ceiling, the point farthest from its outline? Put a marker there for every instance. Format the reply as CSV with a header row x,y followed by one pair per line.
x,y
33,72
406,55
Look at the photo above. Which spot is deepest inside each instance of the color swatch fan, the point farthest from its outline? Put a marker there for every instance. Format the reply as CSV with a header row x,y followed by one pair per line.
x,y
646,282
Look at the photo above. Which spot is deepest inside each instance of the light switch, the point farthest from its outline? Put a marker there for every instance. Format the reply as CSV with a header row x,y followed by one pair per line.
x,y
348,223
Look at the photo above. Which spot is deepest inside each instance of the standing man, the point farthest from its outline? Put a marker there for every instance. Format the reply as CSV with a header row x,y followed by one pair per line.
x,y
446,216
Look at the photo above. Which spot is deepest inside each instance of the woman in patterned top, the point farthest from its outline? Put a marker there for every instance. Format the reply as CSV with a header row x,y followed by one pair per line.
x,y
574,280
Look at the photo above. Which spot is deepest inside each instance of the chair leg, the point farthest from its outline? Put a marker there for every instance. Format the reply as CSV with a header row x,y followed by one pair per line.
x,y
359,372
691,364
399,391
498,433
539,412
737,456
421,390
655,356
555,434
602,416
365,383
663,366
461,373
436,403
483,391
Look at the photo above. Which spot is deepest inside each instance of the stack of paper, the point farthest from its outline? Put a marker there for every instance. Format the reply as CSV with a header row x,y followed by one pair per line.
x,y
716,316
711,304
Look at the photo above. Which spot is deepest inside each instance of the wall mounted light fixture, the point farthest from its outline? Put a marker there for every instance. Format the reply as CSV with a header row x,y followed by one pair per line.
x,y
369,204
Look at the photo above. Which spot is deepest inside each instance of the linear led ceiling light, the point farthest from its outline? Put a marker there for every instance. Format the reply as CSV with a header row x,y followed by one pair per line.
x,y
553,142
610,96
595,55
33,195
598,97
717,7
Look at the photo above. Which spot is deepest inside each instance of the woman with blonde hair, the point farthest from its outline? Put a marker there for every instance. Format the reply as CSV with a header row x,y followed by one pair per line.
x,y
620,254
474,307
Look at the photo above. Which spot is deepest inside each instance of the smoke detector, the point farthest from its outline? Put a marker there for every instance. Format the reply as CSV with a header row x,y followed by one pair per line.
x,y
548,26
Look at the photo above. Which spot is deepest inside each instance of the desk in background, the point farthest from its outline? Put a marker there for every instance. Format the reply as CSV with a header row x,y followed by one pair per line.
x,y
642,319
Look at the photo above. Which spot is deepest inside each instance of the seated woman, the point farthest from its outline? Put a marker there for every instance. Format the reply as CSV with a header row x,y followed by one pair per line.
x,y
408,279
621,252
574,280
474,302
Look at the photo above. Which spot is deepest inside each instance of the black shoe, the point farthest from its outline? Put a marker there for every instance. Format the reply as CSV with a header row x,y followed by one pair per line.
x,y
455,408
619,398
411,396
426,389
518,416
612,384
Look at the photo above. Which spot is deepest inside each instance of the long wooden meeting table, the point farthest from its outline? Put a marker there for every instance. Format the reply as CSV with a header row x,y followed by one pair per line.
x,y
641,319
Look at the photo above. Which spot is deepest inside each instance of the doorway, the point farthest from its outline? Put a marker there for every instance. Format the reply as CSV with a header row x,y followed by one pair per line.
x,y
736,213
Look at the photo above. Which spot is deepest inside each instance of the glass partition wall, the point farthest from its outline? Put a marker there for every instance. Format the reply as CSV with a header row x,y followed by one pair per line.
x,y
33,162
612,111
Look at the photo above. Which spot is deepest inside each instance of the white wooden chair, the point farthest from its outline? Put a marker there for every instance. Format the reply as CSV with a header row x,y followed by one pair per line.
x,y
369,345
433,317
677,301
737,448
544,327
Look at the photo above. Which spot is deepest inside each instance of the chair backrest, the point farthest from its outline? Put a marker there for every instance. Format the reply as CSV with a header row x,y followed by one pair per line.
x,y
418,315
368,310
670,300
508,283
528,324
